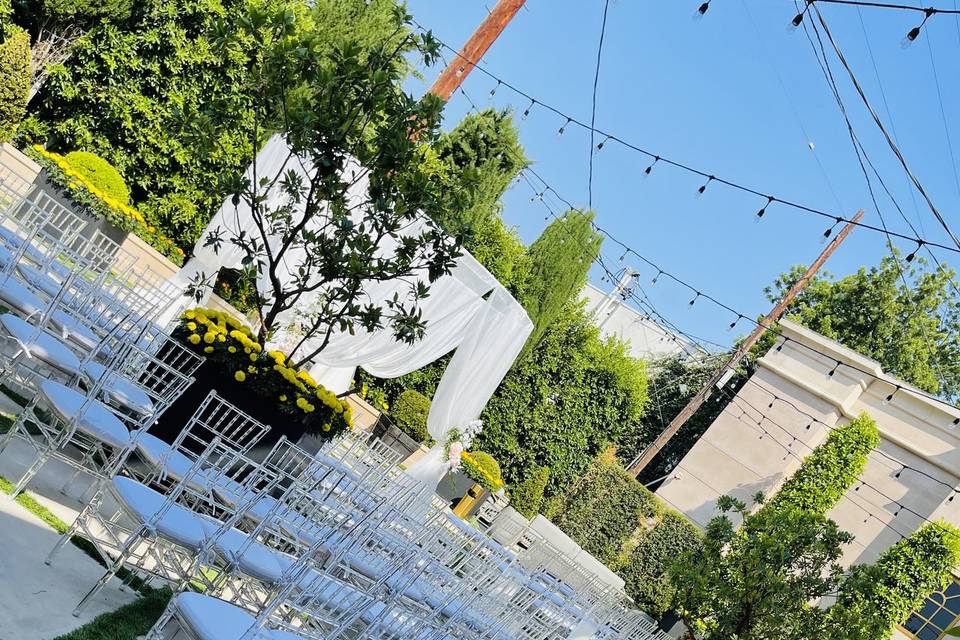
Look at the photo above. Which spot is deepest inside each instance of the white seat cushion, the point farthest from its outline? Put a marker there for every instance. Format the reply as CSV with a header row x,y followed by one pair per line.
x,y
120,390
213,619
177,524
12,241
38,279
96,420
43,346
253,558
17,296
74,330
171,462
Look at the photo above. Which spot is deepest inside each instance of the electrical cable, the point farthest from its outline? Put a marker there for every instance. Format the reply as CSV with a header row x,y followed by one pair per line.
x,y
593,104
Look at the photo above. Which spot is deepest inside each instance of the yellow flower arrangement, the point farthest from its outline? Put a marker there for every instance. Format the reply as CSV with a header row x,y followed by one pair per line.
x,y
239,376
208,349
194,338
475,466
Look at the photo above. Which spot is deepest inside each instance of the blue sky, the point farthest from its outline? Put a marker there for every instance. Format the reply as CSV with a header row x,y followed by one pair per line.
x,y
736,94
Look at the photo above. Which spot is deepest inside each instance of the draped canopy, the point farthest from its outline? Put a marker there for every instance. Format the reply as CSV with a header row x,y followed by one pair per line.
x,y
467,311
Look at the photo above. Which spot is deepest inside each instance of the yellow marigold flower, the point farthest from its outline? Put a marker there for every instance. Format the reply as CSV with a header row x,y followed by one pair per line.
x,y
209,337
277,356
251,369
283,398
208,349
232,349
194,338
189,314
253,357
326,426
220,338
192,326
239,376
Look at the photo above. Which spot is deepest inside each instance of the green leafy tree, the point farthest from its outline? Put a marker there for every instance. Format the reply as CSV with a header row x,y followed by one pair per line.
x,y
409,412
756,582
560,259
914,332
14,78
135,93
876,597
563,407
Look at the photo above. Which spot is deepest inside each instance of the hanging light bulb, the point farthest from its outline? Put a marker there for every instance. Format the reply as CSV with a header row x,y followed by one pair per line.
x,y
798,19
654,281
494,90
702,9
828,232
809,425
913,254
834,370
624,256
703,187
647,171
602,142
956,421
890,396
526,112
564,126
897,474
734,323
695,298
763,209
914,33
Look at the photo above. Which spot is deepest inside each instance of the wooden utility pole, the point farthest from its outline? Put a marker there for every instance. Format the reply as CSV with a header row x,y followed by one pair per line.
x,y
488,31
696,401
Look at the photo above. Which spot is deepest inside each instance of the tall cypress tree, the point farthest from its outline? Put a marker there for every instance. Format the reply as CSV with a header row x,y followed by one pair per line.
x,y
560,259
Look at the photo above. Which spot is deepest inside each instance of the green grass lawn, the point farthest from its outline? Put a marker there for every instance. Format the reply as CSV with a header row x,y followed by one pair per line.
x,y
128,622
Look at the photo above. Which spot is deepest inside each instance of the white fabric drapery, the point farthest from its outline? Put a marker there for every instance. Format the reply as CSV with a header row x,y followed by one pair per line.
x,y
467,311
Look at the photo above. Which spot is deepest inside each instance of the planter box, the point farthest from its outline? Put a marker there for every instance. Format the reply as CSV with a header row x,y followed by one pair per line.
x,y
208,378
43,184
394,438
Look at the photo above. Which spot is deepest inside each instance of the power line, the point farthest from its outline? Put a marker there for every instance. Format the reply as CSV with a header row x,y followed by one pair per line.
x,y
890,142
593,107
766,200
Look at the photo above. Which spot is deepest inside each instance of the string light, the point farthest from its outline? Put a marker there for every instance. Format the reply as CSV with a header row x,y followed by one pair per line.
x,y
826,234
563,127
890,396
526,112
493,91
680,165
703,187
734,323
601,143
915,32
834,370
647,171
913,254
695,298
763,209
656,277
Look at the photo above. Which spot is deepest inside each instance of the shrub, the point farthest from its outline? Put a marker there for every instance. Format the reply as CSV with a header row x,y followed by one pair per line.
x,y
410,412
6,9
14,79
100,174
830,469
178,215
527,495
603,509
646,572
481,467
876,597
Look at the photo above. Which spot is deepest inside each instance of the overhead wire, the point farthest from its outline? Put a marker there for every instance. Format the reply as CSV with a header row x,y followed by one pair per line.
x,y
766,199
593,103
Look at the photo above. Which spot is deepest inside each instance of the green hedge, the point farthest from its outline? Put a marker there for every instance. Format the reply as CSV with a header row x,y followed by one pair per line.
x,y
410,412
603,509
101,173
527,495
830,469
14,78
646,572
876,597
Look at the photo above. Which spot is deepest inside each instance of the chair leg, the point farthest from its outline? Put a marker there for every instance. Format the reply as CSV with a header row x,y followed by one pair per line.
x,y
29,473
101,583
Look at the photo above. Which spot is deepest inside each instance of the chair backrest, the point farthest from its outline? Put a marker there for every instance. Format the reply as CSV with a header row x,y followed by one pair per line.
x,y
218,419
40,211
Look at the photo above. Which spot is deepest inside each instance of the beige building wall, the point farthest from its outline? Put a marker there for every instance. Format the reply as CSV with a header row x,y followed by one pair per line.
x,y
739,454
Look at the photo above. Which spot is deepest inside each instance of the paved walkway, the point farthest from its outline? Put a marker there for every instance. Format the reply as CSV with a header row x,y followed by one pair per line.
x,y
36,601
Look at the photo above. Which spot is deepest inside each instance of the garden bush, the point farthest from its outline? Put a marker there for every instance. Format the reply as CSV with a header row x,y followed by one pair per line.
x,y
100,173
603,509
410,411
827,473
526,496
482,468
876,597
646,572
14,78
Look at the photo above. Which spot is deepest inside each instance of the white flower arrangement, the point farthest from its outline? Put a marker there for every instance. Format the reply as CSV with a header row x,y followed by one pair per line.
x,y
458,441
